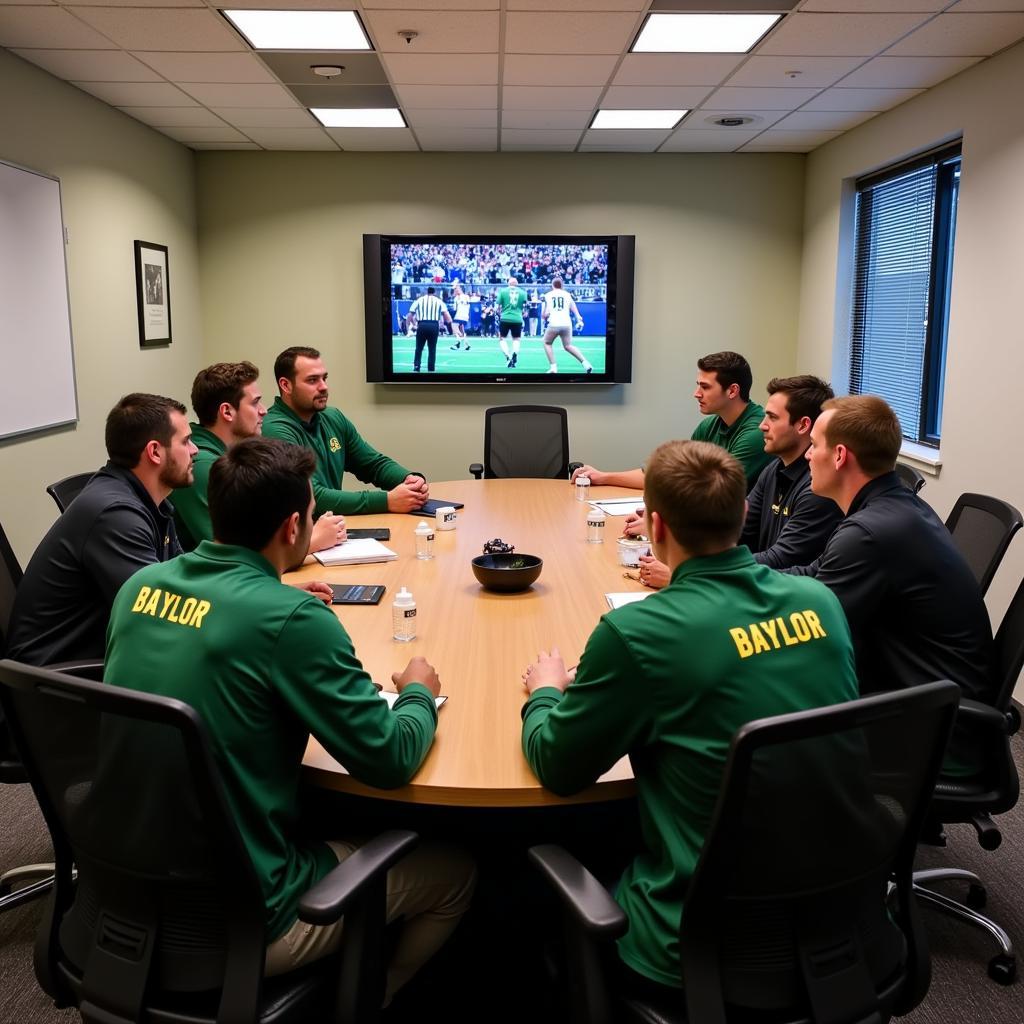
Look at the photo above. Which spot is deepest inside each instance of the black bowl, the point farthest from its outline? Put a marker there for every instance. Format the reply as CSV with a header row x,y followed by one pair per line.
x,y
506,572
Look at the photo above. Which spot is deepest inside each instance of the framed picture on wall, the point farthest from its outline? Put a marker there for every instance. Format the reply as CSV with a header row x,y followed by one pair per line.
x,y
153,294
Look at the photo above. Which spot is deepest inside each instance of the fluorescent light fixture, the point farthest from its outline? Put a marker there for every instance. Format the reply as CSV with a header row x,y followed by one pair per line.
x,y
702,33
637,118
359,117
300,30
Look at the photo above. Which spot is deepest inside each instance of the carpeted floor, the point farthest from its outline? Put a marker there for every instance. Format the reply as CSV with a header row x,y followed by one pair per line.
x,y
961,992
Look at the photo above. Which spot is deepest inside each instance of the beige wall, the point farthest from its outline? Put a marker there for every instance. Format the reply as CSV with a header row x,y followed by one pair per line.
x,y
986,358
717,264
119,181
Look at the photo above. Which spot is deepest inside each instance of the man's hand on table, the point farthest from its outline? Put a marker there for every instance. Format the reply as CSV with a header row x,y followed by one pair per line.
x,y
316,588
634,525
411,494
596,476
419,670
653,574
328,531
548,670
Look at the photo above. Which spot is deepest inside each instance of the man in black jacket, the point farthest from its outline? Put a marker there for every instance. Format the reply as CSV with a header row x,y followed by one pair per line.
x,y
914,607
120,522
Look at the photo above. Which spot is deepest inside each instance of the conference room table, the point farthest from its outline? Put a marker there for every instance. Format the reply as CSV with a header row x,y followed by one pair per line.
x,y
480,641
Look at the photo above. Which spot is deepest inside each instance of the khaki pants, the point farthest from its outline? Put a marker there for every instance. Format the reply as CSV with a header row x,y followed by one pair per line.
x,y
430,888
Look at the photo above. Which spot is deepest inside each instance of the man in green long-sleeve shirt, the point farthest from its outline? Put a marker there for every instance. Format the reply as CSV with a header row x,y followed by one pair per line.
x,y
265,665
300,415
670,679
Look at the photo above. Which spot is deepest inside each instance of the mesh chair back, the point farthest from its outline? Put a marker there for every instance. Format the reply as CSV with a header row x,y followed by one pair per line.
x,y
65,491
526,441
130,794
911,478
1009,644
982,528
787,907
10,578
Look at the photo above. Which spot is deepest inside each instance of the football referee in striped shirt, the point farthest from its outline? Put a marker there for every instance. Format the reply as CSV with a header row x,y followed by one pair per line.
x,y
429,310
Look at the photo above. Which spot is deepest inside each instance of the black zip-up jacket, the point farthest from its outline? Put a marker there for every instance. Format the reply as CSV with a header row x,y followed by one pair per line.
x,y
109,531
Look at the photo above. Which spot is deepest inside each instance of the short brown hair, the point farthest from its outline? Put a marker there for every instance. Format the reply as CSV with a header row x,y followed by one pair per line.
x,y
284,364
729,368
805,395
867,425
135,421
217,384
700,491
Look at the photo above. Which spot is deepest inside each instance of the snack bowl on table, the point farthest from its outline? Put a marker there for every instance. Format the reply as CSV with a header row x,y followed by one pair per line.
x,y
630,550
506,572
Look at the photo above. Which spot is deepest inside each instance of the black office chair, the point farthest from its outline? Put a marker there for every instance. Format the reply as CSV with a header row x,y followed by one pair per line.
x,y
789,916
65,491
982,528
166,921
525,441
994,790
910,477
21,884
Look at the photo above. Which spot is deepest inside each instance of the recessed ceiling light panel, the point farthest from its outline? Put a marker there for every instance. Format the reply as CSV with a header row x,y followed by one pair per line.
x,y
637,119
359,117
300,30
702,33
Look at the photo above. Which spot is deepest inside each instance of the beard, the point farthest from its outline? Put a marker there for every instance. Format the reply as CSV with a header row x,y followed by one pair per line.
x,y
176,476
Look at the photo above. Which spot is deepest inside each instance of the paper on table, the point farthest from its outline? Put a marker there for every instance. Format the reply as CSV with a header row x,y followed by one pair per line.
x,y
390,697
355,552
618,506
618,600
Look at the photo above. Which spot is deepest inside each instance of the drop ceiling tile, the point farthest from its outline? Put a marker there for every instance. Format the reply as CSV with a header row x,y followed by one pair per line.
x,y
164,117
539,136
132,3
458,96
237,68
253,117
814,120
731,98
216,94
810,139
49,27
608,147
450,139
376,140
137,94
568,69
162,29
90,65
218,145
876,100
439,31
581,32
907,72
297,68
986,5
962,35
442,68
703,120
529,97
838,35
649,97
428,5
430,118
293,5
705,140
757,146
535,147
576,5
645,139
27,3
676,68
546,119
292,138
344,95
221,133
874,6
814,71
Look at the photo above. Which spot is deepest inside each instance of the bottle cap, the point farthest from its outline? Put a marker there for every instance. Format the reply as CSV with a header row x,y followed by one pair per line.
x,y
404,598
423,528
595,515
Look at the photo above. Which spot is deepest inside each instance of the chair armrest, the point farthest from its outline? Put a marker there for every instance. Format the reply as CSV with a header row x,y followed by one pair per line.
x,y
477,469
975,713
580,892
331,896
92,670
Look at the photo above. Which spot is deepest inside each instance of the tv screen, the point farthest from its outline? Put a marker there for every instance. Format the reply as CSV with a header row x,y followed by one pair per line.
x,y
499,309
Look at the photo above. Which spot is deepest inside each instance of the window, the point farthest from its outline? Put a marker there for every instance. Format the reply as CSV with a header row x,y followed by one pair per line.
x,y
906,221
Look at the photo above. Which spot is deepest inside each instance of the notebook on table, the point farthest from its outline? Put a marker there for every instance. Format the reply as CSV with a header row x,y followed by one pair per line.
x,y
355,552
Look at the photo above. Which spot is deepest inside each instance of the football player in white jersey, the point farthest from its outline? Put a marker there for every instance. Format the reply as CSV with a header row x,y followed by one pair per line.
x,y
461,318
559,306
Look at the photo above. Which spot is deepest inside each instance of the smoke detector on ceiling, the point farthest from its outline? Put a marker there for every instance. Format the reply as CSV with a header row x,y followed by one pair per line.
x,y
327,70
731,120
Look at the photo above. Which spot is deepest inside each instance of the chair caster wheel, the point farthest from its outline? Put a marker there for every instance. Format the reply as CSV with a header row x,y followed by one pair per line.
x,y
976,896
1003,969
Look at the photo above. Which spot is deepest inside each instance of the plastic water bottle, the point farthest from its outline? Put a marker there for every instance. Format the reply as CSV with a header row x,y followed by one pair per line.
x,y
424,540
595,526
403,617
582,488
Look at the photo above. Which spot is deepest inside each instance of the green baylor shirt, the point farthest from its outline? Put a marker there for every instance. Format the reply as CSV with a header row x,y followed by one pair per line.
x,y
339,448
191,508
668,681
264,664
743,440
510,305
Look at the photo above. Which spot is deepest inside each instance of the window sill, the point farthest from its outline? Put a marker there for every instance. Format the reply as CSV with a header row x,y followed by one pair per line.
x,y
920,456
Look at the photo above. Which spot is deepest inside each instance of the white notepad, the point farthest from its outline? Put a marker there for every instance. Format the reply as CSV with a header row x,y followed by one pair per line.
x,y
355,552
390,697
619,506
618,600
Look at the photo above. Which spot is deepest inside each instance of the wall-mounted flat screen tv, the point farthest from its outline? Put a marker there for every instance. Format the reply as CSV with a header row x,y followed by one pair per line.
x,y
521,309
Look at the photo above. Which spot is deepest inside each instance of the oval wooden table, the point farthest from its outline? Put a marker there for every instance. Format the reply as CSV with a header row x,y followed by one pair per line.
x,y
480,642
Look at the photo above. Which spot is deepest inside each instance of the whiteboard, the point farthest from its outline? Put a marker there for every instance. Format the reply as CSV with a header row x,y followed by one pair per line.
x,y
37,364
